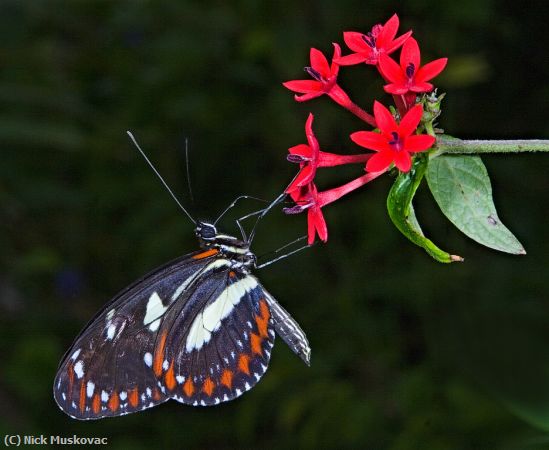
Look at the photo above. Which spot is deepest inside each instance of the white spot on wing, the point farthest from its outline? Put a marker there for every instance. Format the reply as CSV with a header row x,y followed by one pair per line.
x,y
64,396
155,309
89,389
247,386
104,396
180,379
149,392
110,314
148,358
79,369
123,395
154,325
111,331
165,364
75,354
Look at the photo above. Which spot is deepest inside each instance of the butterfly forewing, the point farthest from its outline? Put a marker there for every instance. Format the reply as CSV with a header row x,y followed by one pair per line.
x,y
107,370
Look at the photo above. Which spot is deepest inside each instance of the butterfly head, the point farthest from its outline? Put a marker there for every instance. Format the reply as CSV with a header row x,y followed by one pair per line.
x,y
206,233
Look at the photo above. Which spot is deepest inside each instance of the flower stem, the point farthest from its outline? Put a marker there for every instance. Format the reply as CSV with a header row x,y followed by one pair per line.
x,y
361,114
334,194
339,96
450,145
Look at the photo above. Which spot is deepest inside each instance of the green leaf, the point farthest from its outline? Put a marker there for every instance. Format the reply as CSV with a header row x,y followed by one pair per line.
x,y
462,189
401,211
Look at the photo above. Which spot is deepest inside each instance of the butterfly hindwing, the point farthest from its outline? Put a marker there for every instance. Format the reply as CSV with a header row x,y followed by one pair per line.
x,y
218,343
107,370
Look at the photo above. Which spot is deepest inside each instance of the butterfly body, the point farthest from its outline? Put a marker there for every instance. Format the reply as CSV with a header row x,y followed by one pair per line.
x,y
198,330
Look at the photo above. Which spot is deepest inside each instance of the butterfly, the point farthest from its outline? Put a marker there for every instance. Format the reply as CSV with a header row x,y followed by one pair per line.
x,y
198,330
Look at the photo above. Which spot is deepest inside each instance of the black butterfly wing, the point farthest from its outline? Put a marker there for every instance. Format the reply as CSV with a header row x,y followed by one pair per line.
x,y
107,370
217,345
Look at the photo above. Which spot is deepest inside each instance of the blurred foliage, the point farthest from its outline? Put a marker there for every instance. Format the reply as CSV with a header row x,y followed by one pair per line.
x,y
407,353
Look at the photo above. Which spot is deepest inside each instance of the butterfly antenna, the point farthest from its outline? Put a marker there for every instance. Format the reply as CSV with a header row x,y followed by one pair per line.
x,y
188,170
160,177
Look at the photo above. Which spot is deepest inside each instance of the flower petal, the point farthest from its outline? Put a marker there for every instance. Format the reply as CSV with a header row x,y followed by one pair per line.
x,y
303,86
397,42
334,68
349,60
311,139
355,42
430,70
396,89
371,140
380,161
388,32
319,62
403,161
419,142
384,119
421,87
390,70
410,54
304,177
316,217
410,121
301,150
305,97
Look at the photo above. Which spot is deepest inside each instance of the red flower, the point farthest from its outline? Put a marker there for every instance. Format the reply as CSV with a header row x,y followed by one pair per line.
x,y
308,198
324,76
409,76
369,47
324,79
310,157
395,142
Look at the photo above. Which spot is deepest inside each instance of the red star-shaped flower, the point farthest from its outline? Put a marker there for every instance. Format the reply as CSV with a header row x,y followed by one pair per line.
x,y
369,47
396,141
307,198
409,76
324,77
310,157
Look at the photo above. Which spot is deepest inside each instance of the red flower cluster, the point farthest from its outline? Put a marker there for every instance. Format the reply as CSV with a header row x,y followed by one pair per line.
x,y
394,141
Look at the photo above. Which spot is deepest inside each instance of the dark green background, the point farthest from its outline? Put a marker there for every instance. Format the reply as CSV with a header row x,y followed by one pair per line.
x,y
407,353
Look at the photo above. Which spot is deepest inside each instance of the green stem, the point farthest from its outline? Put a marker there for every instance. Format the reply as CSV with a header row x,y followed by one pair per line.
x,y
450,145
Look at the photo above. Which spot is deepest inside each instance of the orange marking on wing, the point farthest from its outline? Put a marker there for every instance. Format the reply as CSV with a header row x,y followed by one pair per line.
x,y
159,355
264,310
208,386
114,402
156,394
206,254
96,404
262,321
170,378
133,397
243,364
227,378
70,373
188,387
255,340
232,274
82,403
